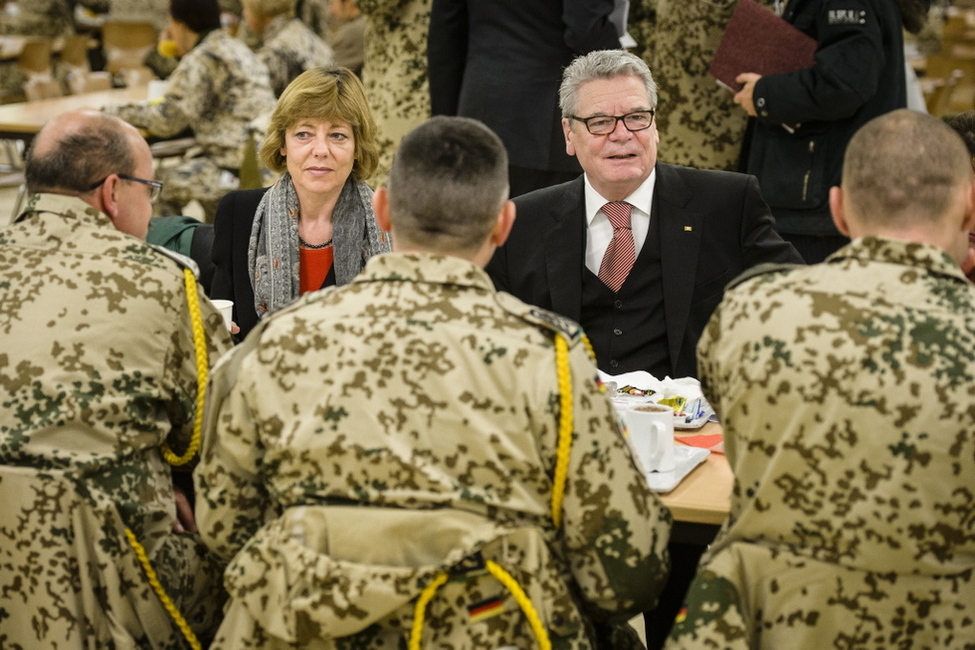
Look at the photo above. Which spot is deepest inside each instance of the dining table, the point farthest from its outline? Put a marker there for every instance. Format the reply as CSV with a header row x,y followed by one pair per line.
x,y
700,503
22,120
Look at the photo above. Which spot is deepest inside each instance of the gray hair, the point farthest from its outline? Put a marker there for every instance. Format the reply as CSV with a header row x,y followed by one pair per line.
x,y
80,157
602,64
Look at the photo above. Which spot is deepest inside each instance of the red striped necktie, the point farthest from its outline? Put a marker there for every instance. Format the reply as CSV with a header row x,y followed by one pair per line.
x,y
620,254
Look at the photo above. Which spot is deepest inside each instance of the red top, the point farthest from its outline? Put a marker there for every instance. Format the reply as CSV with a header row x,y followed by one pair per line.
x,y
313,268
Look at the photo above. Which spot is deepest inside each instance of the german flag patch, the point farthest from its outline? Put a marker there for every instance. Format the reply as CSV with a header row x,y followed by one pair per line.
x,y
485,609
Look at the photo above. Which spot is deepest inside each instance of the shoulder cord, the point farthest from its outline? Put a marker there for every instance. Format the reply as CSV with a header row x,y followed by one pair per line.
x,y
558,494
167,602
202,370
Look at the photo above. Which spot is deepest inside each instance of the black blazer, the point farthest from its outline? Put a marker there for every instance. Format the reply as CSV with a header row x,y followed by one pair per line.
x,y
231,237
501,62
713,226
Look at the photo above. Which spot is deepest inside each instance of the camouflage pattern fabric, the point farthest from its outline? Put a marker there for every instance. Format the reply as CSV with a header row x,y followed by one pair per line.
x,y
315,14
290,48
395,71
699,124
371,436
217,89
97,370
152,11
51,18
847,393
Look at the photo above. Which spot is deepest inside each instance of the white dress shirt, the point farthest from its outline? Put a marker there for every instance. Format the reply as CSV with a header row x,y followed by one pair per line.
x,y
600,231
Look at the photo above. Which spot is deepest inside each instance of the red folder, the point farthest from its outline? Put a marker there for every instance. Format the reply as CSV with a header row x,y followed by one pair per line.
x,y
756,40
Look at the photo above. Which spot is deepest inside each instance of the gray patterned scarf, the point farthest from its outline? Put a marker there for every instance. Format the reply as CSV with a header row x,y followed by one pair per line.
x,y
272,255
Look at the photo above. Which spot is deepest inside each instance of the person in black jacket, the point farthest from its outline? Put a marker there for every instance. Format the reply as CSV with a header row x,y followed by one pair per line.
x,y
804,119
501,61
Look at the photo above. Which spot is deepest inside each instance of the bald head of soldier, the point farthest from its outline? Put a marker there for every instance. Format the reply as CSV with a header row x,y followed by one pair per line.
x,y
448,191
906,175
100,159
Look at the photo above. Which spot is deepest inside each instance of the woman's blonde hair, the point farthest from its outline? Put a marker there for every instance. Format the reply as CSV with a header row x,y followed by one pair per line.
x,y
324,94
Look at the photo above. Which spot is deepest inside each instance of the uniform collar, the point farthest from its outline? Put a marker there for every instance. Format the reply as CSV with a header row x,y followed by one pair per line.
x,y
901,252
426,268
65,206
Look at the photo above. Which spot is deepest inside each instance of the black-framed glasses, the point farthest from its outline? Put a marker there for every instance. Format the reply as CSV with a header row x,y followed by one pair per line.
x,y
155,187
606,124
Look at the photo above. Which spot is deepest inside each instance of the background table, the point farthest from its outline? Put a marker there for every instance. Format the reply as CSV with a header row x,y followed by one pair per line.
x,y
22,121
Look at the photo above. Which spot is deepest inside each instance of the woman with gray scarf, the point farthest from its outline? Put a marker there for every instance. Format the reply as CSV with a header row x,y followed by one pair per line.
x,y
315,226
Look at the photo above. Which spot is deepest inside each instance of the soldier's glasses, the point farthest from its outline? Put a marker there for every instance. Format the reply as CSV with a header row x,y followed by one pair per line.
x,y
606,124
155,187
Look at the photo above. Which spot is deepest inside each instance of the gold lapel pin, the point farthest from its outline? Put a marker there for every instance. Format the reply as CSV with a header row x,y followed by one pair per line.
x,y
688,228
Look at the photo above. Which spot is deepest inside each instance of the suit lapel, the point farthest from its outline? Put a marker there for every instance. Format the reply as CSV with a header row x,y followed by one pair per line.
x,y
566,246
681,230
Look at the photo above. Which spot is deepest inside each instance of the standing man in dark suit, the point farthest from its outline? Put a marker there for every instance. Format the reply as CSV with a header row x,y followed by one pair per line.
x,y
682,236
500,61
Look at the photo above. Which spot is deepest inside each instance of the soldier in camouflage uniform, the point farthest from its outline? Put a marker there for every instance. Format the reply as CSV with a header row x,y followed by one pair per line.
x,y
395,71
50,18
218,87
847,393
98,370
698,122
378,435
288,47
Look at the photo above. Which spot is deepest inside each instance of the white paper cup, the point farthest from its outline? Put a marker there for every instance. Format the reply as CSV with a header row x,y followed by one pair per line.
x,y
651,429
156,89
226,309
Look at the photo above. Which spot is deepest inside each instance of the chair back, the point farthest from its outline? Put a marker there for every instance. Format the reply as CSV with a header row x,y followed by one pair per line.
x,y
40,88
126,44
74,52
89,82
35,57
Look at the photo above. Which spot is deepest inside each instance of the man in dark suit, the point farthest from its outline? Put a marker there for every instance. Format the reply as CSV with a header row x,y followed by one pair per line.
x,y
499,62
687,233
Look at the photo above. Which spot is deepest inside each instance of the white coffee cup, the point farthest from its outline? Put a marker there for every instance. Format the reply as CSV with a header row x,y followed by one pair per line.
x,y
156,89
226,309
651,429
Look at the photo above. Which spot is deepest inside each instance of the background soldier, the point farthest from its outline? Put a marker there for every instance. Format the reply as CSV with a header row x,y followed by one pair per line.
x,y
99,366
395,71
218,87
412,419
847,394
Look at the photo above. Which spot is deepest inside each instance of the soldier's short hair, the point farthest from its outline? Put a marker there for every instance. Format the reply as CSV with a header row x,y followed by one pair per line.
x,y
325,94
199,15
447,183
904,167
80,157
602,64
271,8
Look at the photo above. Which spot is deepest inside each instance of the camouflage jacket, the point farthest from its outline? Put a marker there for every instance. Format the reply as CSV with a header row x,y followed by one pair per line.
x,y
847,394
395,71
699,124
51,18
217,89
97,368
387,429
290,48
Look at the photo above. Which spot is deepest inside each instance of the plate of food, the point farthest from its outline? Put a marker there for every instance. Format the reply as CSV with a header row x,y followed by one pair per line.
x,y
683,395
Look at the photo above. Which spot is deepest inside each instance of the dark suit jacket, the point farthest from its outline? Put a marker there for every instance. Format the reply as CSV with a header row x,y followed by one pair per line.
x,y
231,237
501,62
713,226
